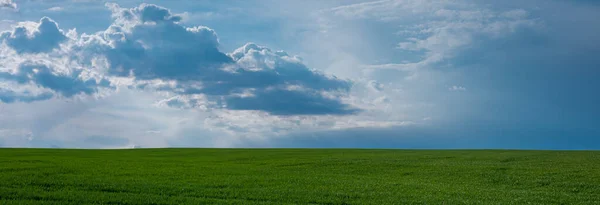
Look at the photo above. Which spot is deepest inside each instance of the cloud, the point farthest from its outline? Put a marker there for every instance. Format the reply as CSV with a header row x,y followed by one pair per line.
x,y
119,120
55,9
148,45
66,85
435,31
8,4
9,96
148,42
35,37
277,83
290,102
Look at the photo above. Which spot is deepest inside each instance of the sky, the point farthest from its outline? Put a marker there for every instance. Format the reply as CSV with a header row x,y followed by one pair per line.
x,y
418,74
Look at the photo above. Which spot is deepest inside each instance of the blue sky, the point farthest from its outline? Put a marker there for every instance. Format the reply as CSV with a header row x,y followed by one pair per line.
x,y
267,73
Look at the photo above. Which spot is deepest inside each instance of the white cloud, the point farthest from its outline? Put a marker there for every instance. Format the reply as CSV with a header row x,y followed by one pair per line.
x,y
148,45
34,65
437,28
55,9
154,67
431,37
8,4
34,37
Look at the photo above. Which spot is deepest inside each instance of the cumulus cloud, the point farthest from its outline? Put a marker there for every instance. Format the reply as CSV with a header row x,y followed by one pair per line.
x,y
34,38
8,4
34,67
148,42
66,85
148,45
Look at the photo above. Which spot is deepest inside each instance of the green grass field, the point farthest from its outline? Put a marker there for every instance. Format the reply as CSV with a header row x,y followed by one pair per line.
x,y
297,176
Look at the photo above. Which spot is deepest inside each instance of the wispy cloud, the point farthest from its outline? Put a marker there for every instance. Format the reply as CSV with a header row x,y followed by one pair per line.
x,y
55,9
438,28
8,4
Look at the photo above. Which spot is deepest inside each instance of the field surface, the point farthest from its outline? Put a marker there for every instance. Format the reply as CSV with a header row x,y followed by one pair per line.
x,y
298,176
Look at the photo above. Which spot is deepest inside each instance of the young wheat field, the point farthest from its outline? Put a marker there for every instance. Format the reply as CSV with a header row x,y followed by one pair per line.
x,y
298,176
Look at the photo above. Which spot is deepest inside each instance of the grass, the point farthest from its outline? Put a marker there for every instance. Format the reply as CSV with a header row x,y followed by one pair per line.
x,y
298,176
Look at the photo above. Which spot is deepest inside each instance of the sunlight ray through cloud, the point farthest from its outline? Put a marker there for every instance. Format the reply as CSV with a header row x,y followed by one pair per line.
x,y
225,74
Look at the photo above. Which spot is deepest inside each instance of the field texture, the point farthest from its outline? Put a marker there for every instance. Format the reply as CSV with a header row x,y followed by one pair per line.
x,y
297,176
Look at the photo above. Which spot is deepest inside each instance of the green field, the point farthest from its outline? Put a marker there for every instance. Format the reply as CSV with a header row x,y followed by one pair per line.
x,y
298,176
